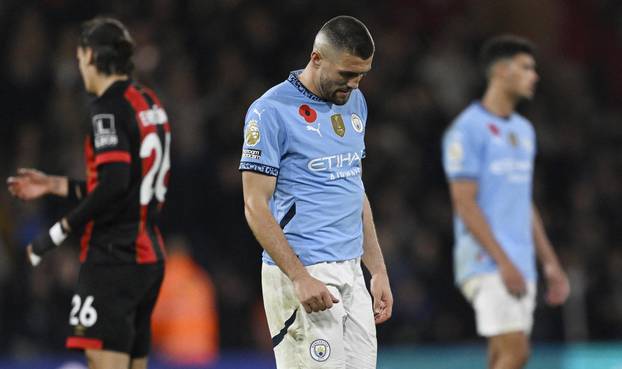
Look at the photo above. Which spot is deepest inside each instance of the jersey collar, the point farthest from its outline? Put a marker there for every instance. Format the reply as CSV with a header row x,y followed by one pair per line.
x,y
293,79
481,106
115,88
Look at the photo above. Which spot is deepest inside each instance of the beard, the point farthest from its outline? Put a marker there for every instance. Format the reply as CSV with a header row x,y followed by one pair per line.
x,y
334,92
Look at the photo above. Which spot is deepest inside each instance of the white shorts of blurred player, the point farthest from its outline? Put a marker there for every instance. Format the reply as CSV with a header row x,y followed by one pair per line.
x,y
341,337
496,310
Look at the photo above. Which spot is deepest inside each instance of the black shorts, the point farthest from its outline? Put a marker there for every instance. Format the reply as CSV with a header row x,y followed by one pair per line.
x,y
112,307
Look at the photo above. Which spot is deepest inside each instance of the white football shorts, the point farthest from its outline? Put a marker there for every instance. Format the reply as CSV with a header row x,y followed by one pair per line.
x,y
342,337
496,310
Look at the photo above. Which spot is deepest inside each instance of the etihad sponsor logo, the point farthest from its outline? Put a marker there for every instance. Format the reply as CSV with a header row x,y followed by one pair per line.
x,y
356,171
331,162
503,166
517,171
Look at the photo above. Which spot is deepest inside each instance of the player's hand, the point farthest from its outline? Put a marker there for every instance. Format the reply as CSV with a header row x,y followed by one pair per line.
x,y
513,279
32,257
558,287
383,298
28,184
313,294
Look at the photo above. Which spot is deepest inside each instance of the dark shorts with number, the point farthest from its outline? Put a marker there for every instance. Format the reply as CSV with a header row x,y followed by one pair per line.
x,y
112,307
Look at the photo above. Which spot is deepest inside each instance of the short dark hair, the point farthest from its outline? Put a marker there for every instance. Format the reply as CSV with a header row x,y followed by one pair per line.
x,y
349,34
111,43
503,47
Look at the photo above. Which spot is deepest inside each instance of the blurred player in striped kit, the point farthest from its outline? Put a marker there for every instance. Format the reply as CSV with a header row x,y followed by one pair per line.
x,y
122,251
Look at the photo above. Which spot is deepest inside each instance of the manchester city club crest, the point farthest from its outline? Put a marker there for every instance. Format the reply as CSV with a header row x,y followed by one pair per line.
x,y
338,126
357,123
252,135
320,350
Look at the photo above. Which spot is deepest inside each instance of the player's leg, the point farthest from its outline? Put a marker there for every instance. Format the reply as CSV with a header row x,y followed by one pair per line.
x,y
138,363
360,328
509,350
104,359
504,319
301,339
154,275
97,317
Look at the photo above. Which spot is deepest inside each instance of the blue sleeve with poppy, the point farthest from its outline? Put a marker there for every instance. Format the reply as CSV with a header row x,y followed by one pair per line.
x,y
462,151
264,140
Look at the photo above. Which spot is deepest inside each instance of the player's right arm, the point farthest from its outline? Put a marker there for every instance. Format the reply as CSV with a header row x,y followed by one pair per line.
x,y
30,184
258,189
264,144
464,201
462,146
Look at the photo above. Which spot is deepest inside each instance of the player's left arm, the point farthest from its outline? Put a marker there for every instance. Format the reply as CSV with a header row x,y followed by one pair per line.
x,y
374,262
30,184
558,287
112,159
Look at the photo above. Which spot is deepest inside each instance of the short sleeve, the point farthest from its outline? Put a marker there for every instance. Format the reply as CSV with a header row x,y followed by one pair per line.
x,y
361,121
264,140
462,152
109,134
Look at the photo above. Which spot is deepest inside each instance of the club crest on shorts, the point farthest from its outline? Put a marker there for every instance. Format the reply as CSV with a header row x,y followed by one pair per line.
x,y
338,126
319,350
252,135
357,123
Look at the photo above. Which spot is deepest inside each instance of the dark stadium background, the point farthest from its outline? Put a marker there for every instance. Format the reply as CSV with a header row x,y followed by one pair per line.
x,y
208,60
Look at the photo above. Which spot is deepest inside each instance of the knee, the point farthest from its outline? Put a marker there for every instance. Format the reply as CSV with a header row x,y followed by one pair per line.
x,y
510,356
513,356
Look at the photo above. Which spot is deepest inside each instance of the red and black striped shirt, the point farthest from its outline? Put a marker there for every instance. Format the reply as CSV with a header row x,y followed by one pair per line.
x,y
128,164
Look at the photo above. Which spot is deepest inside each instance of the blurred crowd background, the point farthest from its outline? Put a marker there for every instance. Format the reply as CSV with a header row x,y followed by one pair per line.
x,y
208,60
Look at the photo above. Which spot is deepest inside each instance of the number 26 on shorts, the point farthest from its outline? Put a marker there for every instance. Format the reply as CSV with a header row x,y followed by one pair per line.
x,y
82,313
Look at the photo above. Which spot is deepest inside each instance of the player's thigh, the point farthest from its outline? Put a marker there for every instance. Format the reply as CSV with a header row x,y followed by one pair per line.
x,y
301,339
103,359
138,363
498,312
360,328
98,319
154,274
103,313
514,343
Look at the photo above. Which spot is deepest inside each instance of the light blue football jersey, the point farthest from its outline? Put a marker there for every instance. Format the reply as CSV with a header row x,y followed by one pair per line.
x,y
314,148
499,154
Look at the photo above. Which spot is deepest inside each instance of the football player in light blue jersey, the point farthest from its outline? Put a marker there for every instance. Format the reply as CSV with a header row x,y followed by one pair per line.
x,y
488,156
306,204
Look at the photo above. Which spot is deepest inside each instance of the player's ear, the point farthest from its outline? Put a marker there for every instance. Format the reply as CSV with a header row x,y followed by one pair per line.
x,y
316,58
88,55
503,68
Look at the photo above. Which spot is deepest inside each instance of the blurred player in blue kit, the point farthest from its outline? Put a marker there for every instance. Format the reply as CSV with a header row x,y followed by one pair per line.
x,y
488,156
306,204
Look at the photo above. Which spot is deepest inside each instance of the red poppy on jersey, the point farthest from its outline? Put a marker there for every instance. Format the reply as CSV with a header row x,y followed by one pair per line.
x,y
307,113
493,129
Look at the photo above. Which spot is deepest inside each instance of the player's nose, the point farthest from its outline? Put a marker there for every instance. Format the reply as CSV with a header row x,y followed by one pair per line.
x,y
354,82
